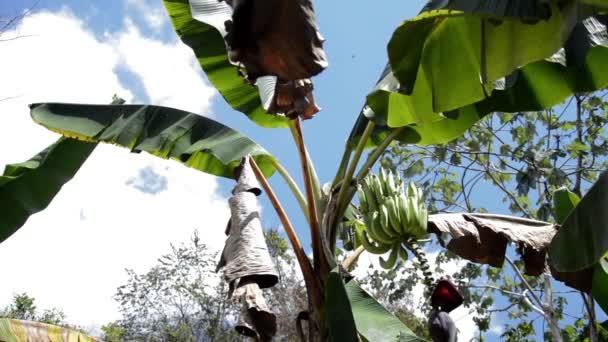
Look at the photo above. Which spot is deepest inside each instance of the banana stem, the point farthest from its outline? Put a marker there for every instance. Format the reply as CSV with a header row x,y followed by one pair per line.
x,y
352,258
375,155
343,164
313,286
295,190
319,258
353,165
413,246
316,184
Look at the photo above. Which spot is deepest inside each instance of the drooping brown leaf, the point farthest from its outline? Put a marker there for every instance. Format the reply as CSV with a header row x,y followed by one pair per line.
x,y
293,98
275,37
483,238
279,45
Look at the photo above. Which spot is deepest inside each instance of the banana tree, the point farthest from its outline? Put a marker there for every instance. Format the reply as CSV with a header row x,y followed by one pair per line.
x,y
450,66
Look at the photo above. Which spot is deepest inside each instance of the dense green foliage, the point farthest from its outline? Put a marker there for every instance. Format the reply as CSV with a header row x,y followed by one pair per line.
x,y
527,158
182,298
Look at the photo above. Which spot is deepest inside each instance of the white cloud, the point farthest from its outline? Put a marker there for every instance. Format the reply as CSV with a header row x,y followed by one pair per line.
x,y
153,15
73,254
496,329
170,74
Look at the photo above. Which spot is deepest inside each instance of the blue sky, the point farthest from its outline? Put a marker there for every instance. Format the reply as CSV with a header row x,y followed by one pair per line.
x,y
147,64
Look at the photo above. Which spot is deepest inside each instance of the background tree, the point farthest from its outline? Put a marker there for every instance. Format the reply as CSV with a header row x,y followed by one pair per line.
x,y
24,307
525,157
428,110
182,298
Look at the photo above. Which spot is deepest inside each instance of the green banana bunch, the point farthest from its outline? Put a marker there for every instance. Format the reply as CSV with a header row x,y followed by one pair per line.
x,y
392,215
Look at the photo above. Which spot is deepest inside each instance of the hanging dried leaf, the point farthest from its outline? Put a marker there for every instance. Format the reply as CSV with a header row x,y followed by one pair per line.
x,y
246,261
246,181
275,37
245,256
255,319
483,238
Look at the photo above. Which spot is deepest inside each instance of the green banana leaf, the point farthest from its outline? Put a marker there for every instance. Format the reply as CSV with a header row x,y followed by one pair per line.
x,y
200,25
578,67
600,283
14,330
564,201
458,49
373,321
585,231
337,310
193,140
29,187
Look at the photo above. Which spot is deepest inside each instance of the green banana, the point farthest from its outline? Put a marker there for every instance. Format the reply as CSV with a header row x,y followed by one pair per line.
x,y
363,206
385,223
420,216
393,212
404,214
390,184
376,232
370,246
377,188
392,258
399,182
403,252
423,217
412,192
393,215
411,222
382,178
372,201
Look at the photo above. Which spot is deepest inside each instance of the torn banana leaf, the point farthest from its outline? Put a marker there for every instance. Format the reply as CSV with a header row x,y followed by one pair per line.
x,y
191,139
14,330
29,187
